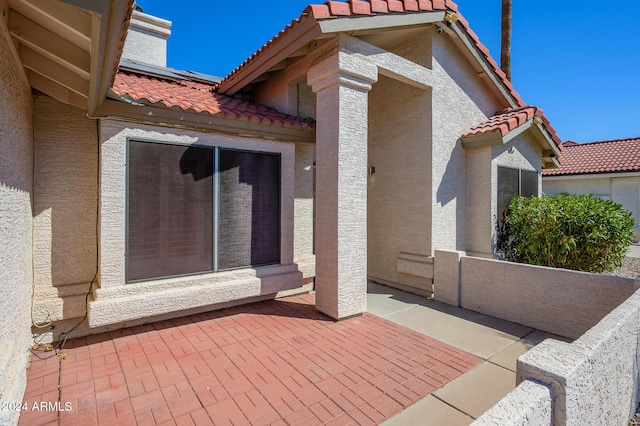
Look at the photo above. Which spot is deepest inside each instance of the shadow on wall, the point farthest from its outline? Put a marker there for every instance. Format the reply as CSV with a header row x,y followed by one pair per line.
x,y
65,204
453,187
65,194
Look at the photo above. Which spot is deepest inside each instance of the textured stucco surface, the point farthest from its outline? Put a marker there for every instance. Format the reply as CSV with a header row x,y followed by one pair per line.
x,y
529,404
16,189
304,210
595,379
147,39
460,101
65,209
117,301
479,222
341,84
446,276
522,152
399,192
559,301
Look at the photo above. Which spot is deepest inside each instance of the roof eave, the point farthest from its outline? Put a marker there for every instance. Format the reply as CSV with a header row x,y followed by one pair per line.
x,y
109,30
550,150
300,35
161,115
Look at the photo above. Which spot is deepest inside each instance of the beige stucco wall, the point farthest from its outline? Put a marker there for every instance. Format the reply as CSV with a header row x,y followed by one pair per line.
x,y
147,39
16,192
623,189
399,192
304,209
65,211
119,302
460,101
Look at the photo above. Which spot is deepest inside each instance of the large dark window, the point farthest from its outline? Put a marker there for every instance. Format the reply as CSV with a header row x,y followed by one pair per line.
x,y
200,209
514,182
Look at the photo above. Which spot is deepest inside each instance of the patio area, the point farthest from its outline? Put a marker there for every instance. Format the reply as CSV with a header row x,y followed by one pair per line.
x,y
274,362
408,360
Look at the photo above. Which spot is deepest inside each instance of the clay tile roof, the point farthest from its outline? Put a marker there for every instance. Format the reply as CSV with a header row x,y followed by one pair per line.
x,y
620,155
350,8
510,118
199,97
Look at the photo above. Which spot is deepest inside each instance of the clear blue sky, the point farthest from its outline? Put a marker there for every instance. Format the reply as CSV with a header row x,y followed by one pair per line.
x,y
578,60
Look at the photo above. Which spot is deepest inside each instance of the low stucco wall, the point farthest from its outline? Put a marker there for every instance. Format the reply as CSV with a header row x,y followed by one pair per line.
x,y
16,190
529,404
594,380
563,302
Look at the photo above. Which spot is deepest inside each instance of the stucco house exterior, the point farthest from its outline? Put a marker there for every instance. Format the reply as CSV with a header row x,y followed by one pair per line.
x,y
608,169
364,136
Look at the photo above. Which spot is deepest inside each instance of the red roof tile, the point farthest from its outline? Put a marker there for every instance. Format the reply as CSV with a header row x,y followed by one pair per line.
x,y
510,118
620,155
199,97
341,9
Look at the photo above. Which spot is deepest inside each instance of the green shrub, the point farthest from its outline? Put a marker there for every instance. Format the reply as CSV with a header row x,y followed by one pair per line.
x,y
580,232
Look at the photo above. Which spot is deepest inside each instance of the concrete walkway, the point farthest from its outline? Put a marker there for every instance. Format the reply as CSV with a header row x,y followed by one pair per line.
x,y
499,343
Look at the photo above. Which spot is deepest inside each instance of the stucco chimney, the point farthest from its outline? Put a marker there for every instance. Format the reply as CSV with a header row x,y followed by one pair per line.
x,y
147,39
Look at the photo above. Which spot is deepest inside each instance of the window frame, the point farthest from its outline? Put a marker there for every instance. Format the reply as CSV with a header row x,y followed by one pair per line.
x,y
216,206
519,192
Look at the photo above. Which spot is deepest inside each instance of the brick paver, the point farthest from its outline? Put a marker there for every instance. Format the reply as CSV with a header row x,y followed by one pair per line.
x,y
274,362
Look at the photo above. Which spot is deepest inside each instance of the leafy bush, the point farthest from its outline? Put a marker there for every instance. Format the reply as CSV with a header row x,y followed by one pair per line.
x,y
580,232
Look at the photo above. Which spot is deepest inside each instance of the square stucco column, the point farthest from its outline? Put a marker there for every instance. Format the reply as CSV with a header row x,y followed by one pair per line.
x,y
342,83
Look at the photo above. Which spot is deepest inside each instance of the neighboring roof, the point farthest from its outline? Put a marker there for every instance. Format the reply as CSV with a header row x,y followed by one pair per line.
x,y
612,156
363,8
187,94
510,119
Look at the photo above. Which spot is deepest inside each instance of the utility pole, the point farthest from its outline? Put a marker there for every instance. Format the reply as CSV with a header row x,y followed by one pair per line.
x,y
505,40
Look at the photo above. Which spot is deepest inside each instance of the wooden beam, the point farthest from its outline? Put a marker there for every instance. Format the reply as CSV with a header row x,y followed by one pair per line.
x,y
36,62
49,44
72,18
57,91
4,29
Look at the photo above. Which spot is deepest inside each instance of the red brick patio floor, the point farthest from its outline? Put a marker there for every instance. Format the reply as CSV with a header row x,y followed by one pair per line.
x,y
275,362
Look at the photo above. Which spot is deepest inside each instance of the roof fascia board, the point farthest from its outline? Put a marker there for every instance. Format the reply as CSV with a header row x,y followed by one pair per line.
x,y
200,121
389,64
592,176
493,138
548,140
368,22
517,131
461,35
299,36
106,47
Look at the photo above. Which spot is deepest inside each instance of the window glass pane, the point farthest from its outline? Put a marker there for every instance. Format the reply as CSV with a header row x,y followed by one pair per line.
x,y
170,210
507,188
529,184
249,208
